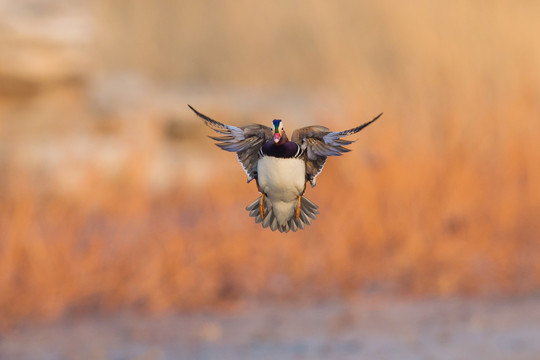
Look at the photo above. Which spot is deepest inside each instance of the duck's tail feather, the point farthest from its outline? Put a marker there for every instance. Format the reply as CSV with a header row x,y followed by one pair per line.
x,y
308,212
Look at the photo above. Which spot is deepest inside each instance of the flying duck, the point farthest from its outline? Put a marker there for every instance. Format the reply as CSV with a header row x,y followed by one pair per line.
x,y
281,167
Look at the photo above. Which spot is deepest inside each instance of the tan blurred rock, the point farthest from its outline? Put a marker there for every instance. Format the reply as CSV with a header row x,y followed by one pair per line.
x,y
42,43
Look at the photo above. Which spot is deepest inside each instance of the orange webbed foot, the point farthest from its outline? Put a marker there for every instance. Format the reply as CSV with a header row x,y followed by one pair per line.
x,y
261,206
298,208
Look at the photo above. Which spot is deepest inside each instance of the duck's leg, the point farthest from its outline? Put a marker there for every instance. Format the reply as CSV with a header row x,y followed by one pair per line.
x,y
261,206
298,207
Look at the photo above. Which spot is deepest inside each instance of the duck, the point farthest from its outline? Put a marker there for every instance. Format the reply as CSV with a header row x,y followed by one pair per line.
x,y
281,167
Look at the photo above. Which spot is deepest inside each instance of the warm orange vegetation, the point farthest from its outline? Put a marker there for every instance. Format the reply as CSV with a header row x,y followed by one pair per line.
x,y
456,223
440,196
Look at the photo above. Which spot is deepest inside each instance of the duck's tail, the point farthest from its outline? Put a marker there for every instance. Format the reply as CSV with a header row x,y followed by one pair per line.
x,y
308,212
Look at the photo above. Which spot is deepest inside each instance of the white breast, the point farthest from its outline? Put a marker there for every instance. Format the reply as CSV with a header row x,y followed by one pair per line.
x,y
282,180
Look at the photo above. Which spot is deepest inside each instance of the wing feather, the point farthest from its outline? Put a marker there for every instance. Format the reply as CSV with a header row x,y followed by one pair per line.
x,y
318,142
245,141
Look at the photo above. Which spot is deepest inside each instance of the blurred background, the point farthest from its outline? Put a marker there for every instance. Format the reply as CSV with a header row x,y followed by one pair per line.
x,y
113,200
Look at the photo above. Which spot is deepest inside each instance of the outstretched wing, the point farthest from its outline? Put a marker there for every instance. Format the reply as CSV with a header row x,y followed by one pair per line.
x,y
245,141
318,142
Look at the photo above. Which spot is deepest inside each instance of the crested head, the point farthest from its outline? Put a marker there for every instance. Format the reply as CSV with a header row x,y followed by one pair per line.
x,y
279,134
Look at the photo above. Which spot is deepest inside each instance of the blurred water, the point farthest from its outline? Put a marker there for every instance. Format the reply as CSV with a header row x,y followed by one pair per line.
x,y
359,329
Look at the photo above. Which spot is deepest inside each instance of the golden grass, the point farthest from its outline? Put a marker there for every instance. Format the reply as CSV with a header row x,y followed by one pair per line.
x,y
440,196
416,223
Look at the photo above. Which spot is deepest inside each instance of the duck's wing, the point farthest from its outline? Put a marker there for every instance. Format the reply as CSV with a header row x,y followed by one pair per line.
x,y
318,142
245,141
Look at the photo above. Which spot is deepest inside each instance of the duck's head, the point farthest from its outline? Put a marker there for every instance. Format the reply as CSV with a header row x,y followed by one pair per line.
x,y
279,134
